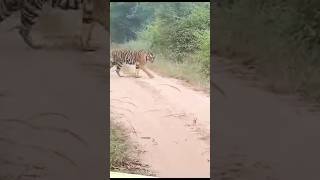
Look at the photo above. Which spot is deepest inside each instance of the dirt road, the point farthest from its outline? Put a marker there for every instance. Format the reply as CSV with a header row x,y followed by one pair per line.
x,y
262,135
52,108
170,121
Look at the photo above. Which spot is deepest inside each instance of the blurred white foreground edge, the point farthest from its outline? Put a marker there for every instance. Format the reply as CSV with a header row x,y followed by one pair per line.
x,y
125,175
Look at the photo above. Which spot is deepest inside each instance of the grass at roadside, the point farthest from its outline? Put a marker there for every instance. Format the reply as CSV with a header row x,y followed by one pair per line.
x,y
187,71
124,154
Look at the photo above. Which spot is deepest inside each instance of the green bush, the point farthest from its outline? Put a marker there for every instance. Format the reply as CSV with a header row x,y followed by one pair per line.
x,y
282,37
204,52
177,34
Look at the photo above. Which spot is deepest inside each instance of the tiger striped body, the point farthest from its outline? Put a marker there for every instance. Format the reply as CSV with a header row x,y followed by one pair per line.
x,y
138,58
30,11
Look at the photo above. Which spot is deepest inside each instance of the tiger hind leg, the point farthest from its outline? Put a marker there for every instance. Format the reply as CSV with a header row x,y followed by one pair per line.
x,y
29,15
87,26
110,66
119,66
25,34
118,71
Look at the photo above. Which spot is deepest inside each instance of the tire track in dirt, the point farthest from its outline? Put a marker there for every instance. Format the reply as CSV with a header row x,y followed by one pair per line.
x,y
169,121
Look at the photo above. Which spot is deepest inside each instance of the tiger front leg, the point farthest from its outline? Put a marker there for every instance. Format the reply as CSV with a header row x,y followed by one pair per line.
x,y
87,25
137,71
86,37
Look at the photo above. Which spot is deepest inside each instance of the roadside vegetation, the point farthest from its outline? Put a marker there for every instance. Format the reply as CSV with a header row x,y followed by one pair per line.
x,y
178,34
279,39
124,154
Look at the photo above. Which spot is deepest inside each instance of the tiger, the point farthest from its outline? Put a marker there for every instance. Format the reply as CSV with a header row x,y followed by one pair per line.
x,y
30,11
130,57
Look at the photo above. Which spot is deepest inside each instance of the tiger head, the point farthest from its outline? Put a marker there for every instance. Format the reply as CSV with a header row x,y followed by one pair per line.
x,y
151,57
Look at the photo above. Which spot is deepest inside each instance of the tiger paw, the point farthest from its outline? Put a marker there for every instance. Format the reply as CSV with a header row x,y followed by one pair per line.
x,y
119,74
89,48
28,40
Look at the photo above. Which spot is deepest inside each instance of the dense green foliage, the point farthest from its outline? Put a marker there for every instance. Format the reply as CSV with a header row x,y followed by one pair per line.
x,y
127,18
282,37
178,31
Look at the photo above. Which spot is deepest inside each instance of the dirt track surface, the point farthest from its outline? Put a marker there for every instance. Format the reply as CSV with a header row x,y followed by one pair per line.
x,y
52,110
261,135
170,122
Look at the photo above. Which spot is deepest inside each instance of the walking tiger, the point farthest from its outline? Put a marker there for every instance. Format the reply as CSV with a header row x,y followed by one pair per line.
x,y
138,58
30,11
